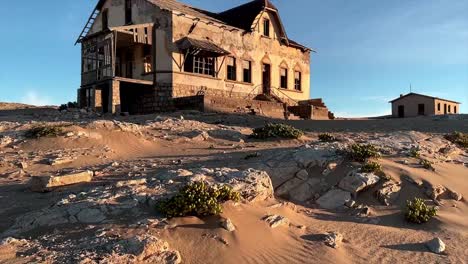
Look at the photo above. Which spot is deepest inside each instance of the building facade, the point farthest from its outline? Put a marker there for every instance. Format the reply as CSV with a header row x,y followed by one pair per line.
x,y
412,105
144,56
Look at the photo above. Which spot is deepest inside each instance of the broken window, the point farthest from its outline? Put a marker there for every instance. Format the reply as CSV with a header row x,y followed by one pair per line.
x,y
231,68
297,81
420,109
284,78
105,19
147,60
200,65
247,71
266,27
89,57
128,12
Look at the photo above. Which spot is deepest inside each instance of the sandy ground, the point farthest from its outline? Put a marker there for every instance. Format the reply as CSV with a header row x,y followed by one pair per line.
x,y
156,147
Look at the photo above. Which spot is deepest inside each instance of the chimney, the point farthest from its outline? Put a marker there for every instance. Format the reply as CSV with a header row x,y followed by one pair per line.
x,y
401,95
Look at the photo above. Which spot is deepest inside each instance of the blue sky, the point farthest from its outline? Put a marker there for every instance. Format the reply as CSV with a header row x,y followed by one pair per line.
x,y
368,52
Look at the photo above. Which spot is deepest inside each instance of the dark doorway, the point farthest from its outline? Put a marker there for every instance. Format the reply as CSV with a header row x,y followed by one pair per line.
x,y
266,78
401,111
421,110
105,99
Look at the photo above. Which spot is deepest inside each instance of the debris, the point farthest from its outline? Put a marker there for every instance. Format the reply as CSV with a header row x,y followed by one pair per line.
x,y
46,183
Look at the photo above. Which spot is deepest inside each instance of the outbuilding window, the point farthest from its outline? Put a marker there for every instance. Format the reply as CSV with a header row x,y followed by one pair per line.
x,y
421,109
438,107
454,109
231,69
284,78
449,108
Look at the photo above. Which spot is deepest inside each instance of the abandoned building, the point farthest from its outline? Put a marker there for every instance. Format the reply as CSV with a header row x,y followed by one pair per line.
x,y
146,56
414,104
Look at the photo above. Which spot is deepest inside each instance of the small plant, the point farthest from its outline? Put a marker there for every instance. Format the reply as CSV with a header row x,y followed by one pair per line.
x,y
371,167
327,138
418,212
68,105
361,152
277,131
415,152
44,131
426,164
198,199
458,138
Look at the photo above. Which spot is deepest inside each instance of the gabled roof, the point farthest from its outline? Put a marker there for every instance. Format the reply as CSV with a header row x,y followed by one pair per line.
x,y
427,96
241,17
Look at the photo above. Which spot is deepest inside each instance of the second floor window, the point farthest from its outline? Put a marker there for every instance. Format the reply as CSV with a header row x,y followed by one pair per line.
x,y
105,19
247,71
231,69
298,81
266,27
284,78
128,12
200,65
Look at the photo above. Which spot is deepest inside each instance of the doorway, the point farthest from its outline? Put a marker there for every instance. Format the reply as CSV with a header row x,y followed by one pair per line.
x,y
401,111
266,78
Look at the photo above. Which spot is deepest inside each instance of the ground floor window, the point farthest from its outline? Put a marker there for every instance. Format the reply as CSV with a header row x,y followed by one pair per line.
x,y
449,108
247,71
200,65
231,69
284,78
454,109
420,109
298,81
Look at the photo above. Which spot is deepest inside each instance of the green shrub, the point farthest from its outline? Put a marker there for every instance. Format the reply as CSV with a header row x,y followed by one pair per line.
x,y
426,164
371,167
327,138
418,212
415,152
68,105
276,130
361,152
44,131
198,199
458,138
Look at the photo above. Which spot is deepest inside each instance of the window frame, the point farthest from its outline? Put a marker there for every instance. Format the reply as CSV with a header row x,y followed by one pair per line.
x,y
266,27
231,70
248,73
298,84
285,76
200,65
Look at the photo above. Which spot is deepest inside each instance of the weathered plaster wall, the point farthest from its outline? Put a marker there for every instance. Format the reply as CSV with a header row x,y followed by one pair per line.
x,y
411,105
452,108
248,46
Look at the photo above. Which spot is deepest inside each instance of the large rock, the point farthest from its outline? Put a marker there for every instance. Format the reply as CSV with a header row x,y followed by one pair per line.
x,y
276,220
388,193
47,183
355,182
90,215
333,199
434,192
436,245
253,185
333,239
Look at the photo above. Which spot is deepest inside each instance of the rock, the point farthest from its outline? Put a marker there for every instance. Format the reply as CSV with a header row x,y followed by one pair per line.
x,y
305,191
47,183
60,161
388,193
334,199
253,185
330,167
436,245
130,182
23,165
90,215
434,192
455,195
350,203
302,174
228,225
333,239
355,182
284,189
276,220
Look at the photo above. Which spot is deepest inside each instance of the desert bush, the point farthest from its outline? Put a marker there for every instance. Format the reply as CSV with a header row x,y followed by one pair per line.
x,y
44,131
458,138
277,130
426,164
371,167
361,152
68,105
418,212
327,137
198,199
415,152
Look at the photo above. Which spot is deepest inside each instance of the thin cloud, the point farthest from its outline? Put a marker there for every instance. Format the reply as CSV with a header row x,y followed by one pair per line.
x,y
34,98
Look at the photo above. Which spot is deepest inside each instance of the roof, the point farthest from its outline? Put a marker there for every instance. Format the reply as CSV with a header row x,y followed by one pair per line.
x,y
200,45
241,17
427,96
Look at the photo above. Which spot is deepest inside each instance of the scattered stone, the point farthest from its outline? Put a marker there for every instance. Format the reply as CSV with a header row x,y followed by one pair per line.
x,y
355,181
60,161
302,174
434,192
130,182
23,165
333,239
350,203
388,193
455,195
436,245
90,215
276,220
333,199
47,183
228,225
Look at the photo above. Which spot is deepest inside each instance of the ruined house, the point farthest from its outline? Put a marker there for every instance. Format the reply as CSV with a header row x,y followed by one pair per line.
x,y
146,56
413,104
